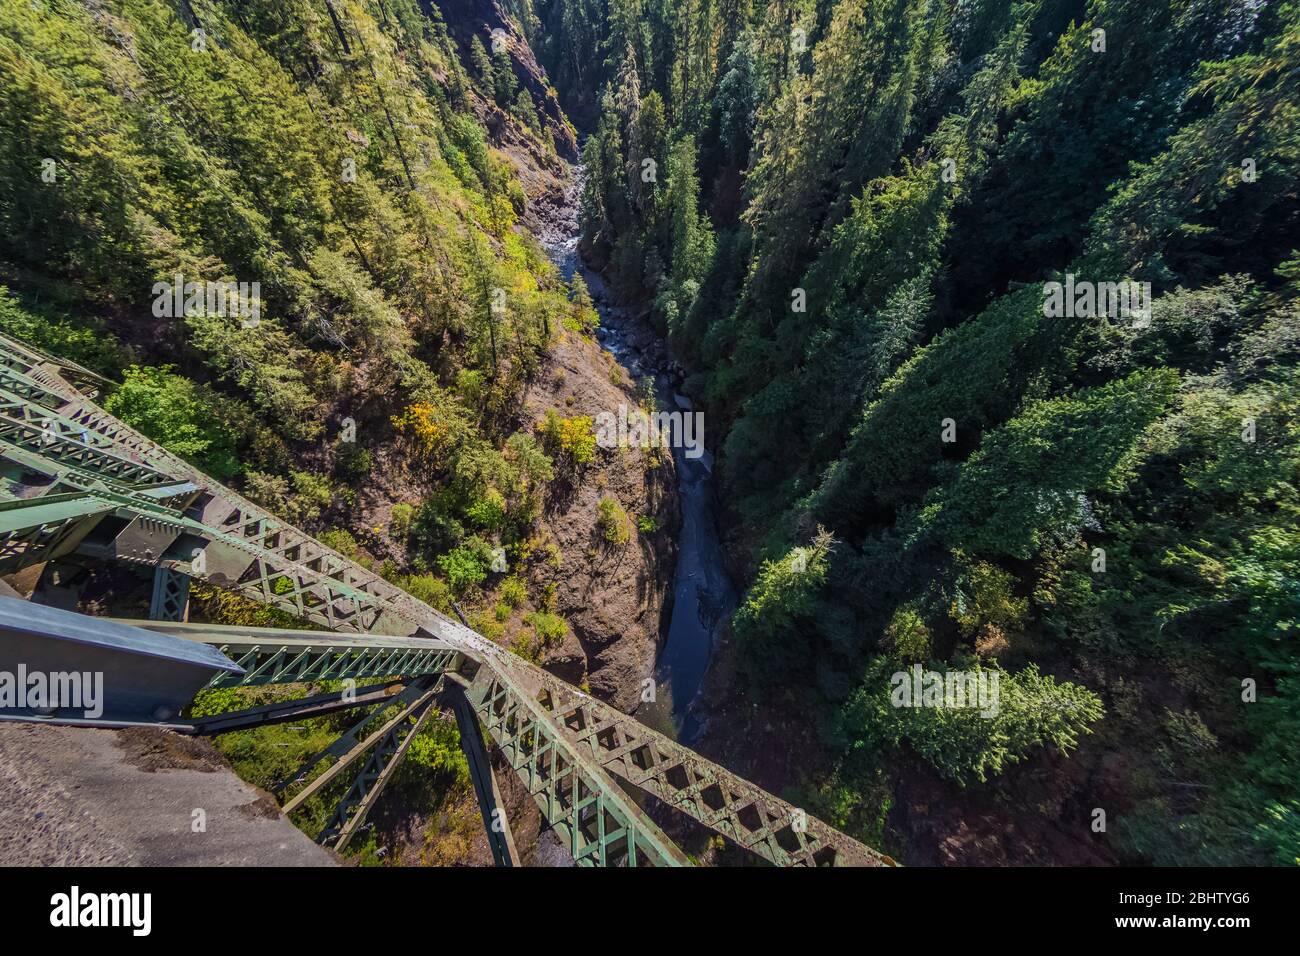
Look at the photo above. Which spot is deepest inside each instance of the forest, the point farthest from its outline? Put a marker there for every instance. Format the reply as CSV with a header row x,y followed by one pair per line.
x,y
858,207
845,219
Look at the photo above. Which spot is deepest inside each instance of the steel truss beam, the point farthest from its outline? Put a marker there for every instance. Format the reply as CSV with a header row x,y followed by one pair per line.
x,y
290,663
495,822
749,816
24,401
597,820
303,708
350,742
413,702
272,656
171,595
43,529
56,373
386,755
71,450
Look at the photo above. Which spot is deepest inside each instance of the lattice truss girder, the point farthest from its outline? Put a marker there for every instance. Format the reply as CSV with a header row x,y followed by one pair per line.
x,y
71,450
25,401
269,663
385,755
777,831
318,583
39,535
565,744
598,822
171,595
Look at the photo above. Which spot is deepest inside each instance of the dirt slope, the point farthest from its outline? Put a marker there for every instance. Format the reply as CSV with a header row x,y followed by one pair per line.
x,y
612,596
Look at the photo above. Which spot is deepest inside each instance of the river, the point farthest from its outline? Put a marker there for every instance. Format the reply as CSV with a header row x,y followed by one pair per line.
x,y
703,595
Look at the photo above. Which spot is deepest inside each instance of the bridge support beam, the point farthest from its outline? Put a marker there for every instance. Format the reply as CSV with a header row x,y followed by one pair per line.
x,y
375,775
495,821
601,824
303,709
350,746
171,595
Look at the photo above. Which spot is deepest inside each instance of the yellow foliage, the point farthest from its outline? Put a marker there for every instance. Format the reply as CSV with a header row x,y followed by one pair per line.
x,y
427,424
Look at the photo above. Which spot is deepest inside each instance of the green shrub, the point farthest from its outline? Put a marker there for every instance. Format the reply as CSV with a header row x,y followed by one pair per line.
x,y
488,513
354,462
185,418
310,494
436,526
549,628
532,461
569,438
485,623
436,750
613,522
429,589
465,567
960,742
341,540
399,520
774,621
513,592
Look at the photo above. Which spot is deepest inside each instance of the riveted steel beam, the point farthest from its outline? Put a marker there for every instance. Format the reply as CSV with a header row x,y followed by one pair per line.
x,y
44,529
749,816
411,702
351,739
302,708
52,443
171,595
600,823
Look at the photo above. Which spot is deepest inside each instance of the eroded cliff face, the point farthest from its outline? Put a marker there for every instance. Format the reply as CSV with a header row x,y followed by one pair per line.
x,y
614,596
545,174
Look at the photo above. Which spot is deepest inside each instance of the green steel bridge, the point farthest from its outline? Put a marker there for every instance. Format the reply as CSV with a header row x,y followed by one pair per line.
x,y
77,485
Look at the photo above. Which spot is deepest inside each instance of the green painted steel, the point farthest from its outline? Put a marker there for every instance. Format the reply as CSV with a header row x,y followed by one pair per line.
x,y
40,530
111,493
291,664
496,824
351,744
273,656
590,812
171,595
378,770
